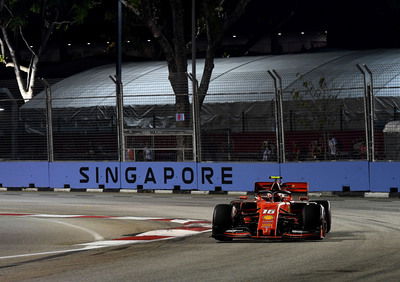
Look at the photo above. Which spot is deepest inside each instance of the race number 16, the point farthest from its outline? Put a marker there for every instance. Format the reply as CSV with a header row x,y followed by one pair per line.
x,y
268,211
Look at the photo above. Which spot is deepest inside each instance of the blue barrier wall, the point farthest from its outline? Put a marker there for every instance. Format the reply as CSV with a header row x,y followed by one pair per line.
x,y
235,176
329,176
322,176
384,175
155,175
84,174
24,174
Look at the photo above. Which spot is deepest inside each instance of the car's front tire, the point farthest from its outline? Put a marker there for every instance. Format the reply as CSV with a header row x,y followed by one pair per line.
x,y
222,220
311,216
314,220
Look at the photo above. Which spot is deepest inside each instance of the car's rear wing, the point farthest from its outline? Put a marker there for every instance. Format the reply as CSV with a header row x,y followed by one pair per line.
x,y
294,187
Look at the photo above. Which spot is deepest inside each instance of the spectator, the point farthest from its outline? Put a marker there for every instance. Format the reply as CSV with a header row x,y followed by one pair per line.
x,y
332,143
266,151
131,155
357,148
295,151
363,150
313,149
147,153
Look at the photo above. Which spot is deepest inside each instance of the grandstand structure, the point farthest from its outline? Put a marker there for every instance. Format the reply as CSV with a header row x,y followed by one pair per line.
x,y
346,96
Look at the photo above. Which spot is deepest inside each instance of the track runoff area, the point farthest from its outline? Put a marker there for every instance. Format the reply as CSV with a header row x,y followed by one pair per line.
x,y
188,227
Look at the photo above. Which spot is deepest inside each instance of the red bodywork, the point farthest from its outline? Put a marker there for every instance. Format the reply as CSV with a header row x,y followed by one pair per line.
x,y
294,187
274,214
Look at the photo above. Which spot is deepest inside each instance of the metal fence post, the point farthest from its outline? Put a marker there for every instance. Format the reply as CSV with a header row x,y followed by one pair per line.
x,y
119,87
120,118
279,129
49,121
369,110
371,113
195,87
195,121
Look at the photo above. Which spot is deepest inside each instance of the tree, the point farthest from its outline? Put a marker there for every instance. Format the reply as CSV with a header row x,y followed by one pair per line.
x,y
166,20
27,26
319,105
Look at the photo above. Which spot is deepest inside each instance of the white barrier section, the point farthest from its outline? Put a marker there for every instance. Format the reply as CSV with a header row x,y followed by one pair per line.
x,y
376,195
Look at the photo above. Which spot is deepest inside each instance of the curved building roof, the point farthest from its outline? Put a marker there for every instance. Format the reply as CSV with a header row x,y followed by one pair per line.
x,y
237,79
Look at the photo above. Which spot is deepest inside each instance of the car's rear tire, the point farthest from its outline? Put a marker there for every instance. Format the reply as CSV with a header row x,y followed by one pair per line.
x,y
328,216
222,220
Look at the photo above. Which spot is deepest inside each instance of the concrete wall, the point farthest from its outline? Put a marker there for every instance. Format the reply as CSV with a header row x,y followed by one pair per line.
x,y
322,176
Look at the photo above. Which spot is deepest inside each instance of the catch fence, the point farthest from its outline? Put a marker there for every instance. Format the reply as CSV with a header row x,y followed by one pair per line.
x,y
265,116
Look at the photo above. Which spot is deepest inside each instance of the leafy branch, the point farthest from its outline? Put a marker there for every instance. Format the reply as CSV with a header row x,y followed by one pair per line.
x,y
318,102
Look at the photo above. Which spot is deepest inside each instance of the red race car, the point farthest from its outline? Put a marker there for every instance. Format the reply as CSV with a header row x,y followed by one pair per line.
x,y
279,211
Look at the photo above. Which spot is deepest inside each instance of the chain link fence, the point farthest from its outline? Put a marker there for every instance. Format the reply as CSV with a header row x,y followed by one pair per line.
x,y
324,116
322,113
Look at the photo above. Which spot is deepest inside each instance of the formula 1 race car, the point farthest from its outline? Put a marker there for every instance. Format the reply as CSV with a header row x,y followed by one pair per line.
x,y
273,214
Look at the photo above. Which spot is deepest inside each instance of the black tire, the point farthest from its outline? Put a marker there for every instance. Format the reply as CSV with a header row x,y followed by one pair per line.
x,y
311,216
328,216
222,220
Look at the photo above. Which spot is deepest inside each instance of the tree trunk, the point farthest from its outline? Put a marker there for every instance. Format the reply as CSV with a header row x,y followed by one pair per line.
x,y
179,83
174,47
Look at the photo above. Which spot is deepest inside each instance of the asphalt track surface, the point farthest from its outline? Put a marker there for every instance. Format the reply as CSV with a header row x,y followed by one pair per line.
x,y
364,244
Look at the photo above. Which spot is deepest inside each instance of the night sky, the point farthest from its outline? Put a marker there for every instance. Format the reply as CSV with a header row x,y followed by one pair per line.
x,y
350,23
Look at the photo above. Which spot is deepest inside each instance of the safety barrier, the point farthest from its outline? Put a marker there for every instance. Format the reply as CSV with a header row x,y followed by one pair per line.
x,y
322,176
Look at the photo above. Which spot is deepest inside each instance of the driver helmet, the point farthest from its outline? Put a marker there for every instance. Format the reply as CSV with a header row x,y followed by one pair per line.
x,y
277,197
265,196
275,186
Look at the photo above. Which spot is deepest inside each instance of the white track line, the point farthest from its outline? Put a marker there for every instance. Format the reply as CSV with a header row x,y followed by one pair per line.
x,y
136,218
50,252
54,215
96,236
163,234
